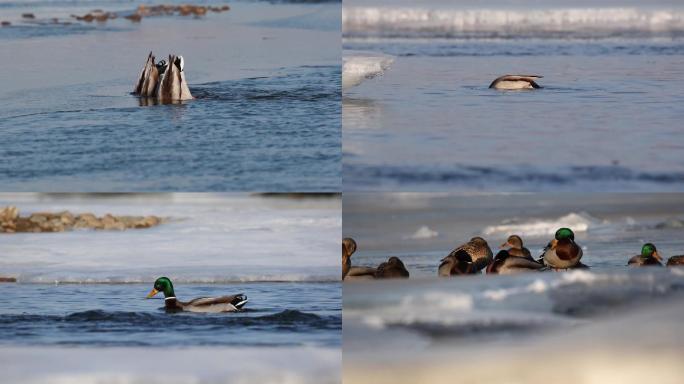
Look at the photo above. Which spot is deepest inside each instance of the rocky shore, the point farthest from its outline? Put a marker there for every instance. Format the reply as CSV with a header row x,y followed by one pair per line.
x,y
12,222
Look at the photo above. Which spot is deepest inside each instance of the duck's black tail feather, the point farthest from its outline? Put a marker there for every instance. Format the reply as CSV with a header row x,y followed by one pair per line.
x,y
239,301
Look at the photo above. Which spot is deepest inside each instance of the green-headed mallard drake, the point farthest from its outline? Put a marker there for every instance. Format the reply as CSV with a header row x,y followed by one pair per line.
x,y
349,272
480,256
649,257
675,261
392,268
504,263
512,82
514,246
231,303
562,252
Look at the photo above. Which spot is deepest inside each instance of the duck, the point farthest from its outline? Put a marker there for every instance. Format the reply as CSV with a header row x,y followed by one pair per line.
x,y
514,246
162,81
476,249
392,268
457,263
505,263
675,261
233,303
348,271
513,82
562,252
649,257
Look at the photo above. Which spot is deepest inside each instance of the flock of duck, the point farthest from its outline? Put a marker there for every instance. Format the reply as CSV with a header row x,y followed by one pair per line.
x,y
475,256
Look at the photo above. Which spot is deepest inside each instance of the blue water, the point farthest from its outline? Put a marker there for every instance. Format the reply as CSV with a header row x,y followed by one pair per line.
x,y
277,314
606,119
266,78
279,133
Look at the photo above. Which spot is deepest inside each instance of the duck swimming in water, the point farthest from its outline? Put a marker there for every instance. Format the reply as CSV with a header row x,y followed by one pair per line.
x,y
476,249
231,303
349,272
514,246
649,257
162,81
504,263
514,82
675,261
562,252
392,268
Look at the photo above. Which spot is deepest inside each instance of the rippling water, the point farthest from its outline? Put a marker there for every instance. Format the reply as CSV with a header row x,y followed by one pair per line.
x,y
612,71
277,314
266,78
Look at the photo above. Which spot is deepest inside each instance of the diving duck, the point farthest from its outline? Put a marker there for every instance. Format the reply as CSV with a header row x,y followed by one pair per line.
x,y
231,303
649,257
456,263
515,247
165,82
562,252
392,268
349,272
675,261
505,263
513,82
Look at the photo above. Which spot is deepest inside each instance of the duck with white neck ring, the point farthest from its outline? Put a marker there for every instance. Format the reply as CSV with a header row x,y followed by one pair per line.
x,y
233,303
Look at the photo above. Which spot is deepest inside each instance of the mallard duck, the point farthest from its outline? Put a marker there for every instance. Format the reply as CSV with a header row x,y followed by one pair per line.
x,y
562,252
456,262
165,82
514,246
349,272
231,303
675,261
649,257
392,268
504,263
512,82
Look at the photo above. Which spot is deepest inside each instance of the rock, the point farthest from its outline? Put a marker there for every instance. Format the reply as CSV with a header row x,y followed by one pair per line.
x,y
37,218
136,17
9,213
11,222
110,222
149,221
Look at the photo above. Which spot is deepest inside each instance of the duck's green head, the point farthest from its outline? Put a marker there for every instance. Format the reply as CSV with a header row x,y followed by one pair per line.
x,y
649,250
162,284
565,233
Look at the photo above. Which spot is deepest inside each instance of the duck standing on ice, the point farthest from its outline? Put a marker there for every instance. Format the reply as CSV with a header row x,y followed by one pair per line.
x,y
163,81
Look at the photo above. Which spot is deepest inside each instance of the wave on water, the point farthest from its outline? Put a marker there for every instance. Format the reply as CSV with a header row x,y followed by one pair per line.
x,y
420,22
360,66
579,222
84,326
63,278
552,300
581,178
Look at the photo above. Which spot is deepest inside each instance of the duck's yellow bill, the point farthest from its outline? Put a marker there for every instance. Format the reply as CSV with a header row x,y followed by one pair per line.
x,y
657,256
152,293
